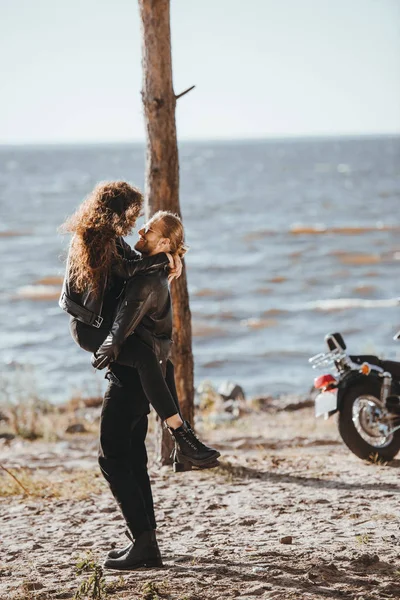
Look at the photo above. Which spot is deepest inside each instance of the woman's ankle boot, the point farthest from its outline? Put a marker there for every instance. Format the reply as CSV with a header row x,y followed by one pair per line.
x,y
189,449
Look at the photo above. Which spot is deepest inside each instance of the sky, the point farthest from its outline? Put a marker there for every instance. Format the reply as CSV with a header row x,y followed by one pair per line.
x,y
71,69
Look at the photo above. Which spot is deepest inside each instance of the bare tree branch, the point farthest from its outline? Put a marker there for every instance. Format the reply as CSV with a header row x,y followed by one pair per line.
x,y
185,92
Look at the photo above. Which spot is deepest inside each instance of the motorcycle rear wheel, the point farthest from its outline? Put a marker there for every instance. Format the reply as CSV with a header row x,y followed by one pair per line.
x,y
360,426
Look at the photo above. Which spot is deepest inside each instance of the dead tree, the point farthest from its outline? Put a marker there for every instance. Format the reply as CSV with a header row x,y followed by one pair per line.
x,y
162,180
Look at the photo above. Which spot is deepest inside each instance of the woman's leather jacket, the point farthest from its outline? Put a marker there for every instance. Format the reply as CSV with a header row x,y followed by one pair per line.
x,y
87,306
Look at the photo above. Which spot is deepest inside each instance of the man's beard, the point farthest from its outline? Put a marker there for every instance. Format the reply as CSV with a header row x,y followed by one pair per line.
x,y
142,247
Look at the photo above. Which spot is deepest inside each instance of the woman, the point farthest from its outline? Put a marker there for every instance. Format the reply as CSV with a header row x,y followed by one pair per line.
x,y
99,263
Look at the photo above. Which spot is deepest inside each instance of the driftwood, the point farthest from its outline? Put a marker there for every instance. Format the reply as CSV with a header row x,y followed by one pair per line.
x,y
162,180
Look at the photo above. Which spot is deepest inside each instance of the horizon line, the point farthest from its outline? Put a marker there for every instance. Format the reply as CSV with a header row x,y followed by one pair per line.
x,y
142,141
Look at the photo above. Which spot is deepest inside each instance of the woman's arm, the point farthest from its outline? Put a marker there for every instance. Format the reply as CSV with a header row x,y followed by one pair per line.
x,y
130,262
125,249
126,268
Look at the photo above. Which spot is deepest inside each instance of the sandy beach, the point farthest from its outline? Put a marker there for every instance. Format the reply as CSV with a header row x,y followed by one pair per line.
x,y
294,517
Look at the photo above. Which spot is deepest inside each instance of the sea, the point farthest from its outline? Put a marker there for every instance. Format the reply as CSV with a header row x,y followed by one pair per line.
x,y
289,240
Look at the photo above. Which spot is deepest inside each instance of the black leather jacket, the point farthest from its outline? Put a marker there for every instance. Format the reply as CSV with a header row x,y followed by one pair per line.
x,y
144,309
87,307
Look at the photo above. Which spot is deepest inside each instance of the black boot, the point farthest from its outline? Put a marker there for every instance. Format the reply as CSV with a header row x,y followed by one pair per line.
x,y
189,449
143,553
118,553
181,464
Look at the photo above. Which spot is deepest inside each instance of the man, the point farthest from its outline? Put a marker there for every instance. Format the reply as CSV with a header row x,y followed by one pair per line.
x,y
145,310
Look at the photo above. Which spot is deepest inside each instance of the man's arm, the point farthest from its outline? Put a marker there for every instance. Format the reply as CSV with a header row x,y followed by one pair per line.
x,y
134,305
132,263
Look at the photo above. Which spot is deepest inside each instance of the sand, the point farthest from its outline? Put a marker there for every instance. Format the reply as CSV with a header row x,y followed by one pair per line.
x,y
290,515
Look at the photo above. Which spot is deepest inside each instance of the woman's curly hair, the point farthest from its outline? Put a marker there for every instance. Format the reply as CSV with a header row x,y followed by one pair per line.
x,y
109,211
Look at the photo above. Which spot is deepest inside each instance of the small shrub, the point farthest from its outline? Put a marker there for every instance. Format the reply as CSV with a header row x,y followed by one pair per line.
x,y
362,539
377,460
94,586
153,591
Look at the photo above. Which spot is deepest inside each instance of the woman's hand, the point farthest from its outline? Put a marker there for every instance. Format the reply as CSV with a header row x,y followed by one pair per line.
x,y
175,267
106,354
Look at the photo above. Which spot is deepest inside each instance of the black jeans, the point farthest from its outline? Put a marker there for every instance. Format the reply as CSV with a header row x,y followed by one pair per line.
x,y
137,354
122,451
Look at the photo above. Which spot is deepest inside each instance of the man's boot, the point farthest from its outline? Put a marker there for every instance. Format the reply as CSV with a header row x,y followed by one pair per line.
x,y
144,553
189,449
118,553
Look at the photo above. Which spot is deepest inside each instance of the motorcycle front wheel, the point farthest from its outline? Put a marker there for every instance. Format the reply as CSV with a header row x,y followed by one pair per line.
x,y
365,426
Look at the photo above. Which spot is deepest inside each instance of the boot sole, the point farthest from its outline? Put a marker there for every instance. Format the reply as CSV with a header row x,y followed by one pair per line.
x,y
149,564
180,467
198,463
184,463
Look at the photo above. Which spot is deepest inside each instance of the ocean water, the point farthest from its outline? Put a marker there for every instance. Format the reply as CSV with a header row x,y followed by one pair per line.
x,y
288,240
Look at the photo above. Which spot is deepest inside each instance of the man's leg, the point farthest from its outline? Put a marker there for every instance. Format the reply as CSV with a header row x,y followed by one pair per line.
x,y
123,461
138,460
119,424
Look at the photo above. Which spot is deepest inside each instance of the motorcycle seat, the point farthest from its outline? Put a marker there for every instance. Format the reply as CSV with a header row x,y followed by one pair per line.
x,y
362,358
388,365
391,366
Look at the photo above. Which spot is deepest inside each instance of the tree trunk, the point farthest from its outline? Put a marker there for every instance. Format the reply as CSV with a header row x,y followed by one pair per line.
x,y
162,181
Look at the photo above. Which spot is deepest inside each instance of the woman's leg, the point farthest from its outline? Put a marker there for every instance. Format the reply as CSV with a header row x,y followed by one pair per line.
x,y
170,379
135,353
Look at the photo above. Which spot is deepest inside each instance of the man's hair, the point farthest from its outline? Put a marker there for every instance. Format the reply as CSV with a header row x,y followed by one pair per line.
x,y
109,211
171,227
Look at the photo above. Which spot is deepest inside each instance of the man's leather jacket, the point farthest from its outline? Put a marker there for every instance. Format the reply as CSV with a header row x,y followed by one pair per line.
x,y
86,306
144,309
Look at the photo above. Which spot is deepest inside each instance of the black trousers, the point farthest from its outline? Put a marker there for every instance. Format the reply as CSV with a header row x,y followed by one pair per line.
x,y
122,450
134,353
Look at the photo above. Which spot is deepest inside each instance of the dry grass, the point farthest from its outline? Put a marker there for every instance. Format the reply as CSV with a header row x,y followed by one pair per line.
x,y
26,415
32,419
76,485
35,419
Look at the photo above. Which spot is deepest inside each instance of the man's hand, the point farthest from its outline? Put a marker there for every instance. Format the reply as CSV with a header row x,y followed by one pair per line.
x,y
106,354
175,267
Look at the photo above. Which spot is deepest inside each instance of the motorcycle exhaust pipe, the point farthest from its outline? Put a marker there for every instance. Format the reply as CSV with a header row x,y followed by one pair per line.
x,y
386,387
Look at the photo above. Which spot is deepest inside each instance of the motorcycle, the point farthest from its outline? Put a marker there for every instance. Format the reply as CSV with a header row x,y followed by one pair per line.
x,y
365,391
